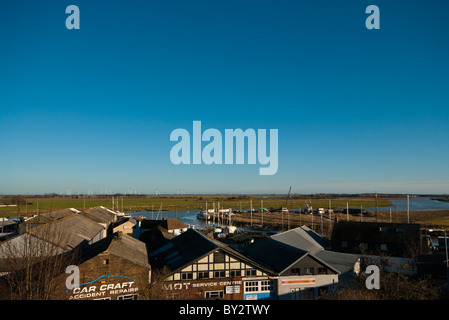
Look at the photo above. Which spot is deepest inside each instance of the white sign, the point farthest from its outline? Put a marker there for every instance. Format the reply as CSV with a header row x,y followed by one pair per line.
x,y
232,289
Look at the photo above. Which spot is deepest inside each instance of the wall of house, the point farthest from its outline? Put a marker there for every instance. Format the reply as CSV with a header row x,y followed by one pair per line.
x,y
217,275
108,276
126,228
304,280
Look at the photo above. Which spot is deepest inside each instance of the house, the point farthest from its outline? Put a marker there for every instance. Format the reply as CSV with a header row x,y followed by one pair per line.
x,y
192,266
114,268
298,273
46,217
61,240
103,216
157,232
302,266
306,239
172,225
62,235
125,226
393,239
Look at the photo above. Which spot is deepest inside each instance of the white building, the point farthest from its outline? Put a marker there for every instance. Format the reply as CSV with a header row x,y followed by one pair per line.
x,y
302,265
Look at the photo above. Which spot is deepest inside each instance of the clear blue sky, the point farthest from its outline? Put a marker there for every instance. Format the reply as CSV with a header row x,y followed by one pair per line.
x,y
357,110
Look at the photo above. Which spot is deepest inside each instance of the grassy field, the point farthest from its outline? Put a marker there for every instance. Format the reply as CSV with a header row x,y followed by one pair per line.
x,y
173,202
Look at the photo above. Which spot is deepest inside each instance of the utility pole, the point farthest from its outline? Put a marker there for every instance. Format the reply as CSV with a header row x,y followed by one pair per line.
x,y
377,211
251,203
408,208
347,211
321,223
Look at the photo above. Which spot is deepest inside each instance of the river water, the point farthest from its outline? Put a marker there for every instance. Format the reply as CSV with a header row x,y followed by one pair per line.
x,y
415,204
189,217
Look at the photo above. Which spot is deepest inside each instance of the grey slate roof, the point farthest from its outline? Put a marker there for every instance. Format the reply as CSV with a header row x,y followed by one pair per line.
x,y
182,250
130,249
343,262
55,215
274,254
103,214
69,232
306,239
189,247
121,245
302,238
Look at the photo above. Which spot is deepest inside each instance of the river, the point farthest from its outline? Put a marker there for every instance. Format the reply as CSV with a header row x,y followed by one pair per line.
x,y
187,217
415,204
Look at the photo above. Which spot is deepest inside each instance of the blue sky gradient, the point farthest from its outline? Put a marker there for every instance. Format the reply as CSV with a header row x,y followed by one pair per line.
x,y
357,110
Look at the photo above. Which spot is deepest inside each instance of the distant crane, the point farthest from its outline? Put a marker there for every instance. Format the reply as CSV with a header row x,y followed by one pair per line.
x,y
286,200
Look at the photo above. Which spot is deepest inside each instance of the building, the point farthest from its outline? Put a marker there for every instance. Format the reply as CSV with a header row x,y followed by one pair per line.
x,y
192,266
43,218
103,216
299,274
172,225
125,226
68,234
302,267
157,232
114,268
392,239
306,239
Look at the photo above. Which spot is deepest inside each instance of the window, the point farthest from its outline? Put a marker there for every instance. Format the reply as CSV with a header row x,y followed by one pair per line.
x,y
308,270
219,274
213,294
235,273
186,276
322,270
251,286
219,257
251,272
128,297
265,285
203,275
106,261
295,271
